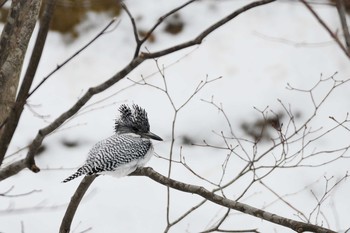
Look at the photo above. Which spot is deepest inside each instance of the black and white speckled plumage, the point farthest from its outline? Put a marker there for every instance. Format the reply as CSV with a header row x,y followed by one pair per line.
x,y
120,154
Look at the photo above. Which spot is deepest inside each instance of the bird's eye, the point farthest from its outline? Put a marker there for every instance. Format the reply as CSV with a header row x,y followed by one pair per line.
x,y
135,129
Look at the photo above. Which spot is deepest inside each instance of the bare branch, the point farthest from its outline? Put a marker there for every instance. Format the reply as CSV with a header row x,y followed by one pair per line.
x,y
193,189
284,201
12,169
342,15
324,25
139,42
103,31
74,203
289,223
6,194
205,33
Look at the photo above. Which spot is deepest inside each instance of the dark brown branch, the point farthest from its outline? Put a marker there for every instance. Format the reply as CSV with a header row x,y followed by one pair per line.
x,y
342,15
15,114
74,203
247,209
324,25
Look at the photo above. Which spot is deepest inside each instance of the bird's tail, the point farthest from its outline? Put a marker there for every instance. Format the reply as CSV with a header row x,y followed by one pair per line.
x,y
75,175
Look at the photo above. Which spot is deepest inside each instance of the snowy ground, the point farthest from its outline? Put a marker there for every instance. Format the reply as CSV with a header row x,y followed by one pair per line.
x,y
255,69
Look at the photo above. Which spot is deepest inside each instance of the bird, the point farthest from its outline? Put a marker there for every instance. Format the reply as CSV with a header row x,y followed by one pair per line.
x,y
127,149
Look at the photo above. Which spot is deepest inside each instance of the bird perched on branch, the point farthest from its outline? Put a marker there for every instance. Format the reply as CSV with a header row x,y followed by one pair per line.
x,y
129,148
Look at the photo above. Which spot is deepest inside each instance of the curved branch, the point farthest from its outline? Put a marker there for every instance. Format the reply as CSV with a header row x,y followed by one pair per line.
x,y
244,208
193,189
74,203
205,33
139,42
324,25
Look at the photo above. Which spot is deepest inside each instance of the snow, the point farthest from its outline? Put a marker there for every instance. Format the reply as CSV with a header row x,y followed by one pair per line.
x,y
256,54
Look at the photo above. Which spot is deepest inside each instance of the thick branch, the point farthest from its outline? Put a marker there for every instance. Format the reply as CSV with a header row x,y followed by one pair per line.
x,y
292,224
12,169
74,203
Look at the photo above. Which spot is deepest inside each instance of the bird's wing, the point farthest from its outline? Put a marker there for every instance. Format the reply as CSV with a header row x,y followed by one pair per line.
x,y
114,151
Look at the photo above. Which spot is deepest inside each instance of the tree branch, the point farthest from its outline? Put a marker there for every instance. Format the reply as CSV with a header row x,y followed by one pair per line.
x,y
74,203
139,42
71,57
342,16
247,209
12,169
205,33
324,25
193,189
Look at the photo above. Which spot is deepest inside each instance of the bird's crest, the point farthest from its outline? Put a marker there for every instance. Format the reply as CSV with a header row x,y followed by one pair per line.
x,y
132,119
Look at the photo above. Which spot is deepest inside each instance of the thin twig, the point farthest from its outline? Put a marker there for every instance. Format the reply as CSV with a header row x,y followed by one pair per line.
x,y
74,55
139,42
5,194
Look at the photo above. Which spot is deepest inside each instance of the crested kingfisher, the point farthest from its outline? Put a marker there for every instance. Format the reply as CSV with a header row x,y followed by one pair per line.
x,y
122,153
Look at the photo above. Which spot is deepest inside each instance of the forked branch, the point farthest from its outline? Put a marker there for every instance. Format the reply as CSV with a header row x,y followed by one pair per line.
x,y
222,201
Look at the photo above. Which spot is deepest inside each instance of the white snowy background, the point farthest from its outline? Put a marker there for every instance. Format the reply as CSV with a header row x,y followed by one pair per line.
x,y
255,70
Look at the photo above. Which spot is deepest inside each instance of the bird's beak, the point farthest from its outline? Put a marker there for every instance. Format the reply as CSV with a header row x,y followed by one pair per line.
x,y
152,136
